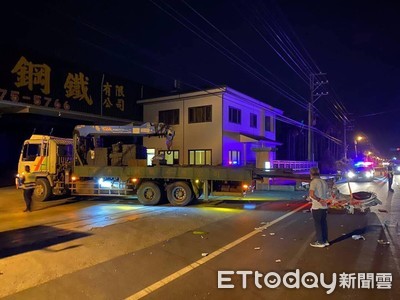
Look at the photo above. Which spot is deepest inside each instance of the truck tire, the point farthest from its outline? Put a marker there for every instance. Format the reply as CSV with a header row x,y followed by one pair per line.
x,y
179,193
42,190
149,193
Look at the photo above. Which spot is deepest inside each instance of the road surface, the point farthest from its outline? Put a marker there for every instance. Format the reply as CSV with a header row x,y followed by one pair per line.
x,y
118,249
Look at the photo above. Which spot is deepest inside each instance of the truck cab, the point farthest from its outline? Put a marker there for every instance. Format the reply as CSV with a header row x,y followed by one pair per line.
x,y
49,159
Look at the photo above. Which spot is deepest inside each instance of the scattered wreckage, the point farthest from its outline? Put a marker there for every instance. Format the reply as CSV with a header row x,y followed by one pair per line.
x,y
360,201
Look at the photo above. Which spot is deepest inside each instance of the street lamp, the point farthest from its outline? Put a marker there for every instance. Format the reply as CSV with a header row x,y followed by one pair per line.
x,y
357,139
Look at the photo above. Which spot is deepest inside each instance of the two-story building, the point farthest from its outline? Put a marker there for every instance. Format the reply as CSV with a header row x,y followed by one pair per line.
x,y
218,126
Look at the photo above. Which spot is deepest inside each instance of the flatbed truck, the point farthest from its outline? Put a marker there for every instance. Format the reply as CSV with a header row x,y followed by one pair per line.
x,y
86,166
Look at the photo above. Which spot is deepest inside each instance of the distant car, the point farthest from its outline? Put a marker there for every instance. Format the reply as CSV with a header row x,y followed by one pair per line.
x,y
360,173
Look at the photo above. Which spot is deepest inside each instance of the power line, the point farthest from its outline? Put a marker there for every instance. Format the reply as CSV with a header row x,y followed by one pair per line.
x,y
281,40
189,22
285,119
246,67
239,47
288,47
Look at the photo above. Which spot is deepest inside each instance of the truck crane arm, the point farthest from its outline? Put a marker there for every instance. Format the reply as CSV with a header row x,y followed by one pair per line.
x,y
145,129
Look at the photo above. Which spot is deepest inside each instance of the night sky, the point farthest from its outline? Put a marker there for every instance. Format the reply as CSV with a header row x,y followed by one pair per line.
x,y
153,42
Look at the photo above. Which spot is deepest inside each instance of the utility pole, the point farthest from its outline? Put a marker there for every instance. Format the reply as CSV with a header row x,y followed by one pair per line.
x,y
348,127
344,139
315,84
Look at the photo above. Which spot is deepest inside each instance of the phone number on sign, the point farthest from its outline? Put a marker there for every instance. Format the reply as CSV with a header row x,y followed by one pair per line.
x,y
36,99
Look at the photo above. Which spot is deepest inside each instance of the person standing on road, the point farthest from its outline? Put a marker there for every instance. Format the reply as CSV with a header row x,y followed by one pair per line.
x,y
318,195
28,183
390,175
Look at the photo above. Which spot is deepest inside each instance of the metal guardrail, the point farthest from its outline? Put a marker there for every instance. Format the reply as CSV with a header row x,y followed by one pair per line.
x,y
294,165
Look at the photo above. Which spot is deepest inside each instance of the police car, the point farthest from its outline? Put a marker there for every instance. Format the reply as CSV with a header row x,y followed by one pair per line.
x,y
362,171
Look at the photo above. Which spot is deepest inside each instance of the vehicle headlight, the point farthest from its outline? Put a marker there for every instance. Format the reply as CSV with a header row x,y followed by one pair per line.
x,y
105,183
350,174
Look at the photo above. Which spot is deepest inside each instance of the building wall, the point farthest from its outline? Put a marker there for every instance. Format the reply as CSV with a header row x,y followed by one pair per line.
x,y
231,139
194,136
220,136
248,105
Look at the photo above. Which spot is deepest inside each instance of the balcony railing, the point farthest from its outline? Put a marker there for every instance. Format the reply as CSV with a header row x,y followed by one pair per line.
x,y
297,166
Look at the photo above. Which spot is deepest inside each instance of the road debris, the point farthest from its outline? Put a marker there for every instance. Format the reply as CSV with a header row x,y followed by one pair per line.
x,y
382,242
199,232
278,260
204,254
382,210
257,248
263,235
272,233
357,237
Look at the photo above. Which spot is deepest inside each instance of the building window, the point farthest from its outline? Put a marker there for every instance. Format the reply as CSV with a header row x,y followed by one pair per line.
x,y
235,115
199,157
200,114
172,157
234,157
170,117
253,120
268,124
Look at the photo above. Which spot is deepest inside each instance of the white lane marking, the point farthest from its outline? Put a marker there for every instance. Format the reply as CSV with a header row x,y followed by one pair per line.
x,y
155,286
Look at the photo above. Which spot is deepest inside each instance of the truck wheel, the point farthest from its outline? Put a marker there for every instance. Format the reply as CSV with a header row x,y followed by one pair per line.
x,y
179,193
149,193
42,190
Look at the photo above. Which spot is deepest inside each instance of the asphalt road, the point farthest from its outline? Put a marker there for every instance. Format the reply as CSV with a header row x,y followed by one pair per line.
x,y
119,249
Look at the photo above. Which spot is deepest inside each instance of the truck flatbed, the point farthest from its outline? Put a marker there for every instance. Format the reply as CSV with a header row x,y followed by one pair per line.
x,y
171,172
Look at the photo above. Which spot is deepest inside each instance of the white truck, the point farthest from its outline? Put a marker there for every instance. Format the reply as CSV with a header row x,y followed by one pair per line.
x,y
92,163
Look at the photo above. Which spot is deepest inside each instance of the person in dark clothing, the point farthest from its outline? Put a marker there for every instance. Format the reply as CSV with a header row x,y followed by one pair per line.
x,y
390,175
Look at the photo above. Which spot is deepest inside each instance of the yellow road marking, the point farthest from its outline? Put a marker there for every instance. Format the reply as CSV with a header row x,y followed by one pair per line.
x,y
155,286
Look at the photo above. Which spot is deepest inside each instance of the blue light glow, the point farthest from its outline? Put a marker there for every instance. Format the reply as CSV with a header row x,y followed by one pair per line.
x,y
104,184
363,164
249,206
